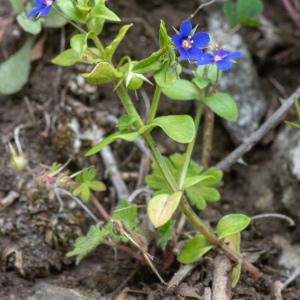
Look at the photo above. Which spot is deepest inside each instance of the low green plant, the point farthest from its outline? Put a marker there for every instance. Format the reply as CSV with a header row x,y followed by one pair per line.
x,y
178,183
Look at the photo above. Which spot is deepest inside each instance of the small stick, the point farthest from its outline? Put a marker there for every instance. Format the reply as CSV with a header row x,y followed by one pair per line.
x,y
221,283
207,138
278,216
200,7
102,211
294,16
179,276
257,135
115,176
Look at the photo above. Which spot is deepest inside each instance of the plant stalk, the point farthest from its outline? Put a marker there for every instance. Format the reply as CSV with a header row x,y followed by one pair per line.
x,y
190,148
154,104
184,205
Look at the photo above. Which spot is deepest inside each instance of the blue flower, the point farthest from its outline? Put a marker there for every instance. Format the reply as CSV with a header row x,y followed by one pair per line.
x,y
189,44
41,8
223,59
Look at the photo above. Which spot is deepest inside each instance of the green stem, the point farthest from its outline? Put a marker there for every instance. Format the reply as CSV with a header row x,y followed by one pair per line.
x,y
154,104
99,45
184,205
190,148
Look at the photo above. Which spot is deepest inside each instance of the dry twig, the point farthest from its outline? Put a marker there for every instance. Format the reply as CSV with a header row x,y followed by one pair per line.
x,y
257,135
221,282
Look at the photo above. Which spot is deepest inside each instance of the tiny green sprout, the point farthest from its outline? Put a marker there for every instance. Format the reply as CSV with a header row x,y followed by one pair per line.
x,y
86,183
293,124
17,161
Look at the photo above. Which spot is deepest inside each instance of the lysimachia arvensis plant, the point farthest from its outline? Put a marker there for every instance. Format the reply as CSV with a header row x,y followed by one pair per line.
x,y
178,183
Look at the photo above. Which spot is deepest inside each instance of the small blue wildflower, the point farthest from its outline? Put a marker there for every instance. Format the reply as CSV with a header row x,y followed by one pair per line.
x,y
189,44
41,8
223,59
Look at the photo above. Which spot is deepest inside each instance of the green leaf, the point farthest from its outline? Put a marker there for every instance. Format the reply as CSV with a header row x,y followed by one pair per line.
x,y
101,11
230,12
67,58
126,121
164,39
127,213
180,128
249,9
182,90
194,249
234,242
97,186
231,224
28,25
15,70
111,49
190,181
198,194
79,42
86,244
162,207
69,9
150,64
167,76
104,72
54,20
128,136
165,234
17,5
223,105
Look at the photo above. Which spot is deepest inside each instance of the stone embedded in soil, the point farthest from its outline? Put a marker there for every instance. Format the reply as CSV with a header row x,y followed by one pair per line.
x,y
45,291
241,82
286,168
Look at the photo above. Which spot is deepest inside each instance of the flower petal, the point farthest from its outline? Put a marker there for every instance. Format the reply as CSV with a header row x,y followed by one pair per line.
x,y
185,28
183,53
201,39
205,59
224,65
39,4
234,55
176,39
34,12
194,53
45,11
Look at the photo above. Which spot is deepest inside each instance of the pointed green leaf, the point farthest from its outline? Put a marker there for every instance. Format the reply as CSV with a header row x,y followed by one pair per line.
x,y
231,224
194,249
15,70
223,105
182,90
17,5
130,137
162,207
101,11
164,39
67,58
104,72
111,49
249,9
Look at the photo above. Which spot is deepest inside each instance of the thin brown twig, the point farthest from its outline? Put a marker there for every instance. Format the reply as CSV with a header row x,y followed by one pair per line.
x,y
257,135
294,16
102,211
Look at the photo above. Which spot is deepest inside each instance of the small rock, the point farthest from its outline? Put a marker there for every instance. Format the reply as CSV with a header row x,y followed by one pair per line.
x,y
286,168
46,291
241,82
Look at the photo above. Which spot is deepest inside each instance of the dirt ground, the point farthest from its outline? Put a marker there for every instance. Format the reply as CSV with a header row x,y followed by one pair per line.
x,y
35,235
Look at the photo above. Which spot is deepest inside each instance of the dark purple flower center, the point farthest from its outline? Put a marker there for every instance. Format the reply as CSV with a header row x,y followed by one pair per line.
x,y
187,44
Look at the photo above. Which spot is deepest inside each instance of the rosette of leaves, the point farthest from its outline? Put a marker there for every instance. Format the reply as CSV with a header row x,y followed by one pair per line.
x,y
200,185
